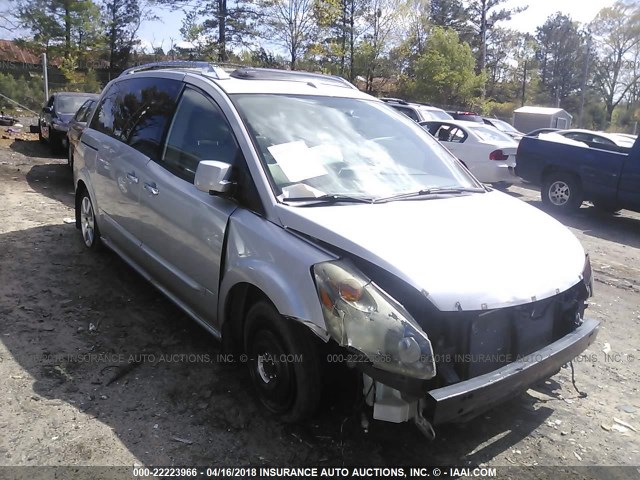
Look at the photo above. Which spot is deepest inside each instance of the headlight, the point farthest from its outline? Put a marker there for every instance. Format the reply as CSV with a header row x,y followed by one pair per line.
x,y
360,315
587,275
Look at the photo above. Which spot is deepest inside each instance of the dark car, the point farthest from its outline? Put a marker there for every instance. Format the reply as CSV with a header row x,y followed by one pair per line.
x,y
55,116
466,116
76,125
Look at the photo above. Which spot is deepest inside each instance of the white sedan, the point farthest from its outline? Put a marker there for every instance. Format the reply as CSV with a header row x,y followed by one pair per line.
x,y
488,153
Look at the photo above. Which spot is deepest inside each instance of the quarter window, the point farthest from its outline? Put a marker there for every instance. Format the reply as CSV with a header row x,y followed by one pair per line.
x,y
199,132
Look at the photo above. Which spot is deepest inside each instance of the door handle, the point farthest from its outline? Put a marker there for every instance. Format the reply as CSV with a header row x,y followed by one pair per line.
x,y
132,177
151,188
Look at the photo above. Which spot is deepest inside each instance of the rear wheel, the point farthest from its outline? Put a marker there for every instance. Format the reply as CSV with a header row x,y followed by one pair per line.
x,y
283,363
561,192
88,224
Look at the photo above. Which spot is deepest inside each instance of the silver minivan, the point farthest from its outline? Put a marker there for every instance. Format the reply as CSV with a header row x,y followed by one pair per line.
x,y
303,222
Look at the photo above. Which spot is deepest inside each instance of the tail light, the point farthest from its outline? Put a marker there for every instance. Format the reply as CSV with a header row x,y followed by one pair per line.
x,y
498,155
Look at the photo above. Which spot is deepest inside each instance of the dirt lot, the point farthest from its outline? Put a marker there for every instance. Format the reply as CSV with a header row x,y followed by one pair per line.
x,y
60,304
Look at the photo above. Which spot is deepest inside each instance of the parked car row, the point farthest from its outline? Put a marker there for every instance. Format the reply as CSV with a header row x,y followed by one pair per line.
x,y
59,110
292,215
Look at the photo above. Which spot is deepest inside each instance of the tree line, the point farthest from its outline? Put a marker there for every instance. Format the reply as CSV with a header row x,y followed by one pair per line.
x,y
451,53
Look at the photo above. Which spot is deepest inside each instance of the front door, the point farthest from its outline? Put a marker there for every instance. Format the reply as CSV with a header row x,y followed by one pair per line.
x,y
182,229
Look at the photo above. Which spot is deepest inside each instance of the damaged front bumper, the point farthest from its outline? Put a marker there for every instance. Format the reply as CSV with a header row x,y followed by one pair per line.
x,y
467,399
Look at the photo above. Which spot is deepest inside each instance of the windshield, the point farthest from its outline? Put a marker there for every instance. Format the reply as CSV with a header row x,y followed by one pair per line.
x,y
70,104
503,126
316,146
623,141
435,114
490,134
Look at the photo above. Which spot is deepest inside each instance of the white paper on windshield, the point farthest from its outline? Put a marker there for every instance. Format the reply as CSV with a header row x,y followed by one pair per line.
x,y
301,190
297,161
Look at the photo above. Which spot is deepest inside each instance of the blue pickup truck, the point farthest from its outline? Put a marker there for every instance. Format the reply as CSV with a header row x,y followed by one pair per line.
x,y
570,174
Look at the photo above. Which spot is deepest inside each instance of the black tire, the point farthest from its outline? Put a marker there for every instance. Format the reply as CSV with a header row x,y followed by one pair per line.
x,y
289,389
604,207
502,186
55,142
88,223
561,192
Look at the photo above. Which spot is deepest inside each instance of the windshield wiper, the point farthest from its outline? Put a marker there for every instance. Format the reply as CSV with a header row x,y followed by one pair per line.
x,y
329,198
430,192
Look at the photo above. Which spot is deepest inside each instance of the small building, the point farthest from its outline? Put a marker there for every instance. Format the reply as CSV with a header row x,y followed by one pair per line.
x,y
527,119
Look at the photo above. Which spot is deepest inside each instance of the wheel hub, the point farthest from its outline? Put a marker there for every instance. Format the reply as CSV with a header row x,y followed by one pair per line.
x,y
559,193
266,369
87,221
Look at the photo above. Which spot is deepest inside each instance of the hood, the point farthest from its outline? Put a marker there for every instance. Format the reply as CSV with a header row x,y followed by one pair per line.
x,y
480,251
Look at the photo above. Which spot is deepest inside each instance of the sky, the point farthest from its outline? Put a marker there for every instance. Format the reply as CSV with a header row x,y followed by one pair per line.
x,y
160,32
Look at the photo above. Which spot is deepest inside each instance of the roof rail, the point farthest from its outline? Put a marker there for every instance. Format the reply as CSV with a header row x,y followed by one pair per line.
x,y
204,67
397,100
252,73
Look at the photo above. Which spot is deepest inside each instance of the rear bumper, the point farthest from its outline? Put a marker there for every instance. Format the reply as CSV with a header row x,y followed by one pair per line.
x,y
501,173
465,400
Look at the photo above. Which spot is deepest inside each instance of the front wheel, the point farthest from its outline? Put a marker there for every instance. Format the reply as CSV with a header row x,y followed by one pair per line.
x,y
88,224
283,363
55,142
561,192
502,186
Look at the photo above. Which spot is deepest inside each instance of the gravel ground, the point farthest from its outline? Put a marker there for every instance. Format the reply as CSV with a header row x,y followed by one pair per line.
x,y
89,372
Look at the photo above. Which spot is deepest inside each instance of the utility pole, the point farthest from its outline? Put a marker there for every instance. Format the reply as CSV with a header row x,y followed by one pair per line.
x,y
524,83
584,79
46,77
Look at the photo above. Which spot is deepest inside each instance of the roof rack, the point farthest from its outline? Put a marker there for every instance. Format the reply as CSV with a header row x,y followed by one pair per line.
x,y
205,67
252,73
397,100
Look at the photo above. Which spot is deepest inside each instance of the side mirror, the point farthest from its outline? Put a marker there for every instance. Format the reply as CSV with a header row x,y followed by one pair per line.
x,y
212,177
47,110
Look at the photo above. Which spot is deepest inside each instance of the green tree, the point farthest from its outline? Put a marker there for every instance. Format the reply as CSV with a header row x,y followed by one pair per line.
x,y
484,15
292,24
338,22
121,21
449,14
57,26
216,25
444,73
616,31
561,54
